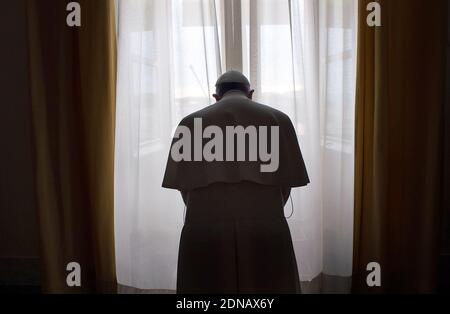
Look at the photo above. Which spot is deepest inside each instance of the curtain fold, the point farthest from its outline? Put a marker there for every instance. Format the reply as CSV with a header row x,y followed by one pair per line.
x,y
73,75
399,134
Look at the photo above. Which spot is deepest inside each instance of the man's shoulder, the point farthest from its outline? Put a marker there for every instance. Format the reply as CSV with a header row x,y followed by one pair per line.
x,y
255,109
272,110
279,116
202,113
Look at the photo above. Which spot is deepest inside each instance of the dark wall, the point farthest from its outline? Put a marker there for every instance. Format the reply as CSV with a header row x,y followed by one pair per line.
x,y
18,224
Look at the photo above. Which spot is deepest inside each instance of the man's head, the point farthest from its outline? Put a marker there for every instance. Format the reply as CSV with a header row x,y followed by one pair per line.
x,y
232,80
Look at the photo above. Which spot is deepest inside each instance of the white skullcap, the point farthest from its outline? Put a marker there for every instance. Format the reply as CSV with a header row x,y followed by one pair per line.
x,y
233,77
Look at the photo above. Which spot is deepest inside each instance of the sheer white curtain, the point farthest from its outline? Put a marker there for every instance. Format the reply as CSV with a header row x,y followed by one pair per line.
x,y
300,56
168,61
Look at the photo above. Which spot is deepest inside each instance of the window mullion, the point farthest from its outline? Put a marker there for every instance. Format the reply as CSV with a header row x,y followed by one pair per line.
x,y
233,34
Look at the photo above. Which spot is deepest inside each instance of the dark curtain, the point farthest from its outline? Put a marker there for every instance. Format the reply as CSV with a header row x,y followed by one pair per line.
x,y
444,274
73,75
399,145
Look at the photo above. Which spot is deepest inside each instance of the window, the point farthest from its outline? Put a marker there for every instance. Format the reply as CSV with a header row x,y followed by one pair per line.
x,y
299,56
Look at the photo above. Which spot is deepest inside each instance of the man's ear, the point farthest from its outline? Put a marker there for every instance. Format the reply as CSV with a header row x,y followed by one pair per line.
x,y
217,97
250,94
